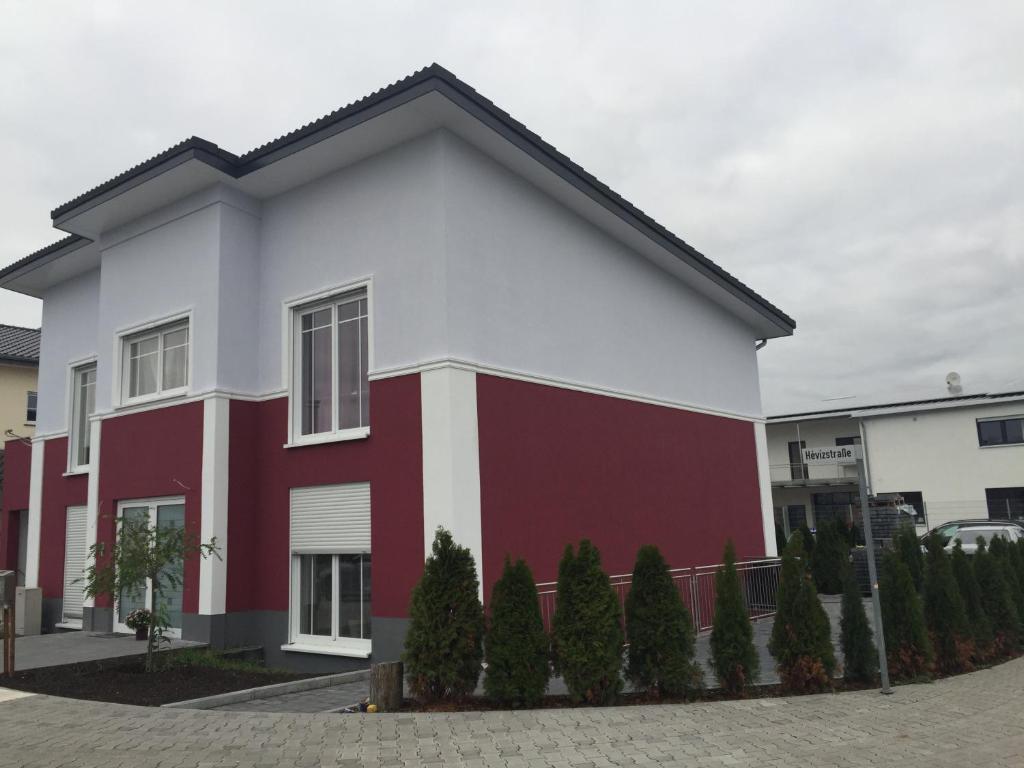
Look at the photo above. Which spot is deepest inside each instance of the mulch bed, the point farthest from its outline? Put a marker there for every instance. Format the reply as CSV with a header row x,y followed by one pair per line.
x,y
128,683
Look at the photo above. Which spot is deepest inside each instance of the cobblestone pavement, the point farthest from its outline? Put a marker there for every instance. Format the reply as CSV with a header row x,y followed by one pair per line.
x,y
975,720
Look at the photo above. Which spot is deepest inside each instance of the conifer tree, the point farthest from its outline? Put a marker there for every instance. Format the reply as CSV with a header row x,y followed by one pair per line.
x,y
587,629
944,612
906,637
733,656
860,657
801,639
444,645
831,553
997,601
908,547
516,646
1005,554
660,630
808,539
977,620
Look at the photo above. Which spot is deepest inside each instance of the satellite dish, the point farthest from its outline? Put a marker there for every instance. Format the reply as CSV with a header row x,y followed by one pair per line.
x,y
953,383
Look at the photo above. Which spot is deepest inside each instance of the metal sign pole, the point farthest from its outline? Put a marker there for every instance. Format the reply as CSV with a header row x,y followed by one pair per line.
x,y
869,539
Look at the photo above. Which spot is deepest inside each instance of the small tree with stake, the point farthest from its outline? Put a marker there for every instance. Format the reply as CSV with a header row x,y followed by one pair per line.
x,y
860,659
733,655
142,552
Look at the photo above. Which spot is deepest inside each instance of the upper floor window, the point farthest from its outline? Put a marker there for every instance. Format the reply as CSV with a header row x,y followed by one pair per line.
x,y
331,390
30,407
83,403
1001,431
155,362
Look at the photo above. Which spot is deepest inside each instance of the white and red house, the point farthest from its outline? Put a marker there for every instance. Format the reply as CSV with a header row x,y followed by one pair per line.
x,y
412,312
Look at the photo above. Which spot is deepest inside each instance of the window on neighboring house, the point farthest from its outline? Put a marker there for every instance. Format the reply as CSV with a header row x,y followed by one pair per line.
x,y
331,390
330,547
797,468
83,403
30,407
1001,431
1005,503
155,362
848,440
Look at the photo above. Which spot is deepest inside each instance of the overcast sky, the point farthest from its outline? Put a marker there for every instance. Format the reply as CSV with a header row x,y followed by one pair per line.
x,y
861,165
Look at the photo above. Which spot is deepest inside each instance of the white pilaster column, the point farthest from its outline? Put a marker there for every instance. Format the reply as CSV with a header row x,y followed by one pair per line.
x,y
451,459
92,495
764,481
35,514
213,571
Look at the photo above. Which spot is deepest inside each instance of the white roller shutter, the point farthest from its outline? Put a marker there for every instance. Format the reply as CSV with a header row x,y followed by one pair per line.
x,y
327,519
74,563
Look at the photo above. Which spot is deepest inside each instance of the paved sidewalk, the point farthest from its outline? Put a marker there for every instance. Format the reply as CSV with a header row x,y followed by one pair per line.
x,y
34,651
975,720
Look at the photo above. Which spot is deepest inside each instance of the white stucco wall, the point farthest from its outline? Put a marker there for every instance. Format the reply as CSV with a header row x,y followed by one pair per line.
x,y
69,323
937,452
536,289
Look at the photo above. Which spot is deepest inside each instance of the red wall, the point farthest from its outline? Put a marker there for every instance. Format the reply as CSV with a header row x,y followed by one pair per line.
x,y
262,472
151,454
59,493
17,463
557,466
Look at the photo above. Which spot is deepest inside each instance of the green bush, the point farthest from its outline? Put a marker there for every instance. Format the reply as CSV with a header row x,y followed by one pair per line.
x,y
831,554
443,648
733,656
860,657
808,539
944,612
516,646
586,629
978,621
906,637
660,630
1006,555
908,547
997,601
801,639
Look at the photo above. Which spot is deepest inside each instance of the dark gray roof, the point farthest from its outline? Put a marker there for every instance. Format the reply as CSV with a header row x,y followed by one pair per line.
x,y
19,345
958,399
432,78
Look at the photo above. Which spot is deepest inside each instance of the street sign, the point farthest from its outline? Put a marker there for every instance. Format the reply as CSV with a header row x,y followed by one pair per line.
x,y
838,454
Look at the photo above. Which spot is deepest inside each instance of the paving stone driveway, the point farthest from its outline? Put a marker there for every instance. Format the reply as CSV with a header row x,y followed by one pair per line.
x,y
974,720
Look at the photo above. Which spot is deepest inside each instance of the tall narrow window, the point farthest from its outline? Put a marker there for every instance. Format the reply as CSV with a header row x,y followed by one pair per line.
x,y
331,388
31,400
156,362
83,403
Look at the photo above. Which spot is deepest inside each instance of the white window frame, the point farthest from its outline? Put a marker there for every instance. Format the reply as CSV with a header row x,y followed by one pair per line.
x,y
28,394
152,503
158,327
334,644
293,310
74,368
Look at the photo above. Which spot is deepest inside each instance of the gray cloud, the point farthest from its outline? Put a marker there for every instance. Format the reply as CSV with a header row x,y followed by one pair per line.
x,y
861,165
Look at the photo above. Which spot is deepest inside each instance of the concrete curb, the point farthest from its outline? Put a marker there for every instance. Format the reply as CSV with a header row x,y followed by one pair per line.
x,y
270,691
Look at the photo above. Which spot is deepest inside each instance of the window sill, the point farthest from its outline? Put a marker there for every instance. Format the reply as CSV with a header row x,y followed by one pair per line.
x,y
171,394
358,433
69,625
334,649
1001,445
76,472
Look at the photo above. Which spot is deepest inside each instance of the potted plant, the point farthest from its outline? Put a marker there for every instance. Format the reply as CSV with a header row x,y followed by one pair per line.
x,y
139,620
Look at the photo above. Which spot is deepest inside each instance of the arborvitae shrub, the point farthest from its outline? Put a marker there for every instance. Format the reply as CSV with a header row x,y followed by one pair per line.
x,y
997,601
808,539
978,622
586,629
801,640
733,656
516,646
906,637
944,612
860,657
831,553
908,547
1005,554
660,630
444,646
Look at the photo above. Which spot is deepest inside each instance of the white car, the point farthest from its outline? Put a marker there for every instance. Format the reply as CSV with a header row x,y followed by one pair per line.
x,y
968,536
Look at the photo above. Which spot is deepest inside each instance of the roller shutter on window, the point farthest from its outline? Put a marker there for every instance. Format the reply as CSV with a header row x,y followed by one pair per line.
x,y
74,563
330,518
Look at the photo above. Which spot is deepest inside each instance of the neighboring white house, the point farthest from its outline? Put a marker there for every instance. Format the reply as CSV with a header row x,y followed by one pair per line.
x,y
950,458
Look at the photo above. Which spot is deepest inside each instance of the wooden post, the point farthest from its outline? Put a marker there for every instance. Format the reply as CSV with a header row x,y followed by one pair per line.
x,y
386,686
8,623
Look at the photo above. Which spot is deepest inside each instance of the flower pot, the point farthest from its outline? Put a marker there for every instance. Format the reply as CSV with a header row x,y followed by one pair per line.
x,y
142,633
